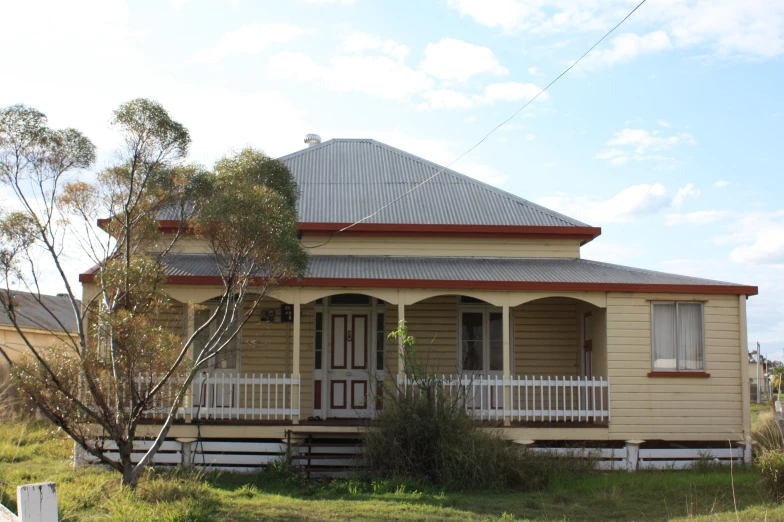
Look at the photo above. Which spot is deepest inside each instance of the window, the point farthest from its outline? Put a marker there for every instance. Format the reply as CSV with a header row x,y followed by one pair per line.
x,y
349,299
228,358
318,341
481,341
380,337
677,337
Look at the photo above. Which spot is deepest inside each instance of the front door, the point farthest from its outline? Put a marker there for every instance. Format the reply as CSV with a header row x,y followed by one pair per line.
x,y
348,380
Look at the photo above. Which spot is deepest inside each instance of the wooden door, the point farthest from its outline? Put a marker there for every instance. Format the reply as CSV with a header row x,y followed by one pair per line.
x,y
348,383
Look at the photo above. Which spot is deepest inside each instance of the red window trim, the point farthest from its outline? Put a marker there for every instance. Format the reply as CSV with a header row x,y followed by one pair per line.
x,y
678,374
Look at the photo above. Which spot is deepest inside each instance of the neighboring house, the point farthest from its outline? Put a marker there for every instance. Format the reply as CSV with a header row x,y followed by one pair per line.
x,y
759,374
39,326
552,346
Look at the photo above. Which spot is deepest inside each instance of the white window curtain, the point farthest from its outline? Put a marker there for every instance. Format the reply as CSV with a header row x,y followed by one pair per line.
x,y
690,355
677,333
664,325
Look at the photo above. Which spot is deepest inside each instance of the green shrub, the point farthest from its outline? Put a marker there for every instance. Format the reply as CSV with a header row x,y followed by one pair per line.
x,y
771,464
423,434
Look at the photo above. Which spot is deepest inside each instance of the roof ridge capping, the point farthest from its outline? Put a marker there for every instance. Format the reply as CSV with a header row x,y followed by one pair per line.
x,y
568,221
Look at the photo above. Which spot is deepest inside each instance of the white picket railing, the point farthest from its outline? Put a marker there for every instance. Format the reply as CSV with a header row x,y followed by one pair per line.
x,y
532,399
243,397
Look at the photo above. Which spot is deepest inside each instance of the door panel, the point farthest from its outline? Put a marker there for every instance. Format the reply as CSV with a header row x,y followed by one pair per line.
x,y
338,395
359,342
359,394
339,342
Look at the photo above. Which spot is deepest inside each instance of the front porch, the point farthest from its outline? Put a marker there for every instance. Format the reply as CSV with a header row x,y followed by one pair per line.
x,y
520,359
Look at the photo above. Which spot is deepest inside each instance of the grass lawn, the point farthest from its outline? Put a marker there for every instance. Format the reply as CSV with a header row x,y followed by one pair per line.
x,y
32,452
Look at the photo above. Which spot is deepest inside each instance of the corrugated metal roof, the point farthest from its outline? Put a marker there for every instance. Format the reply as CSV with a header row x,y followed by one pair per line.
x,y
31,314
545,270
345,180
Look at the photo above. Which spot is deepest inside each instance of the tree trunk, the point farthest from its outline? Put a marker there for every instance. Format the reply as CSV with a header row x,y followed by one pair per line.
x,y
129,477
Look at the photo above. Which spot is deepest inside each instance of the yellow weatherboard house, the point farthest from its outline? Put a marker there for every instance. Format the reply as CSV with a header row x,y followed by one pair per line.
x,y
552,347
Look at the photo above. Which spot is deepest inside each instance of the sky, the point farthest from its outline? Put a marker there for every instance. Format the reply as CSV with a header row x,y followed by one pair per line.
x,y
668,135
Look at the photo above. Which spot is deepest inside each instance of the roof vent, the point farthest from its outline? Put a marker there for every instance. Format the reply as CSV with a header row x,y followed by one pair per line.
x,y
312,139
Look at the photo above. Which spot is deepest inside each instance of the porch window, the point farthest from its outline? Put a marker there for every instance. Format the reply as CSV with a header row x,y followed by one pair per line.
x,y
318,340
481,341
380,337
677,337
228,357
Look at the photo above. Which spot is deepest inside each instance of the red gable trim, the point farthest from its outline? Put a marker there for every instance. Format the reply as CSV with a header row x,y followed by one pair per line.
x,y
586,234
417,230
479,285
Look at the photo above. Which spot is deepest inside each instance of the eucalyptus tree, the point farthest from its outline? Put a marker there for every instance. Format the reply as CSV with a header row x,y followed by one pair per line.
x,y
122,362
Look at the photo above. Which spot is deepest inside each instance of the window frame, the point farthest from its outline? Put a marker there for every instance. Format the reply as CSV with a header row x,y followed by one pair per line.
x,y
485,309
677,371
211,365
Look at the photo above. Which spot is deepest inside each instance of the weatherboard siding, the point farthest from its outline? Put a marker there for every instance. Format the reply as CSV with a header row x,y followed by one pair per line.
x,y
546,338
415,246
673,408
267,348
444,247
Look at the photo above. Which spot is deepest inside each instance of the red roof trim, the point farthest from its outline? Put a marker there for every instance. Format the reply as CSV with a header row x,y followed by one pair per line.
x,y
480,285
586,234
420,230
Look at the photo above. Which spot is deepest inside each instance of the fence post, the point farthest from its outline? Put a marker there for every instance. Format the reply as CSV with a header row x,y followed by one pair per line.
x,y
633,454
37,502
747,451
79,456
187,451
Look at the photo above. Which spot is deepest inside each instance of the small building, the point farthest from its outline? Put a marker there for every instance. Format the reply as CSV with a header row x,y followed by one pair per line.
x,y
39,321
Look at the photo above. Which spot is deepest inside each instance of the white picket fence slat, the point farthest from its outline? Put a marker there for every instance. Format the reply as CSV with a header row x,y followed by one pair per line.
x,y
532,399
269,397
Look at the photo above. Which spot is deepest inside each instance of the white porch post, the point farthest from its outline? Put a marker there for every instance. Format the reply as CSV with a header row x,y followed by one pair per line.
x,y
401,358
190,328
507,367
295,371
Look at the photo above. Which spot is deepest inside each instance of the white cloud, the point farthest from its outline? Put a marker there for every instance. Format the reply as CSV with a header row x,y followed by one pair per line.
x,y
530,137
447,99
379,76
722,184
456,60
643,145
702,217
345,2
687,191
663,123
759,236
357,43
178,4
295,65
512,91
629,204
249,39
534,71
625,47
493,93
726,28
609,252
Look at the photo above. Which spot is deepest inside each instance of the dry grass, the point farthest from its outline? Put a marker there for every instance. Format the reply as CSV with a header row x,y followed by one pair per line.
x,y
33,452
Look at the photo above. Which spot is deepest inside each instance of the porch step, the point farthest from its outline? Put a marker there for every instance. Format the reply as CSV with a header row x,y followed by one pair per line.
x,y
327,452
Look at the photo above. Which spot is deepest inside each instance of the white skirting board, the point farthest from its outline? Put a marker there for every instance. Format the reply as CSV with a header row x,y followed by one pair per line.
x,y
249,456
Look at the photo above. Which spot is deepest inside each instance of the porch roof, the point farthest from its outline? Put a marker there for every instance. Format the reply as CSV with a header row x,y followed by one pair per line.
x,y
468,273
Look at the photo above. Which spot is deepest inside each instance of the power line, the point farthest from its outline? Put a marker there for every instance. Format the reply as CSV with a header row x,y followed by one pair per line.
x,y
515,113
